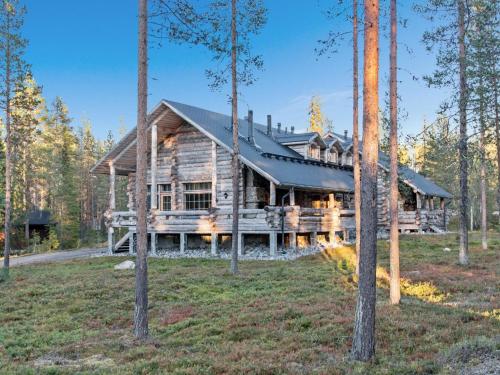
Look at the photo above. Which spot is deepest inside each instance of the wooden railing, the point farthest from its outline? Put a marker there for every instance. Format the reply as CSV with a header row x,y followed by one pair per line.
x,y
295,218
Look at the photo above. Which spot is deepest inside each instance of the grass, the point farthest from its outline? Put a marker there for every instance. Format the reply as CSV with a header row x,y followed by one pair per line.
x,y
275,318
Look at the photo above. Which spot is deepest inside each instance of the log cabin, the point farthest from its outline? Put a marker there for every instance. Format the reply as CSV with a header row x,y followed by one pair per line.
x,y
295,188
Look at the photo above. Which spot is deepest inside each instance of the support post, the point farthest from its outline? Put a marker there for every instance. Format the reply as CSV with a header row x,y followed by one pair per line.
x,y
240,243
153,243
273,243
214,174
293,240
272,194
214,244
110,240
154,158
131,243
431,199
182,242
112,178
314,238
292,196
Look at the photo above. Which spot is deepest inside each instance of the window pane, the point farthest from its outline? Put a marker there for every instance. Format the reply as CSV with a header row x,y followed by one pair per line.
x,y
197,186
166,203
196,201
164,188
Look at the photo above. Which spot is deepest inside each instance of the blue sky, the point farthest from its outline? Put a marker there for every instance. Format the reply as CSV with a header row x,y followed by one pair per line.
x,y
85,52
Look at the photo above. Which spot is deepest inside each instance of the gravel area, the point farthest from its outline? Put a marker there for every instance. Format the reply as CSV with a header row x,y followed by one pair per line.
x,y
254,253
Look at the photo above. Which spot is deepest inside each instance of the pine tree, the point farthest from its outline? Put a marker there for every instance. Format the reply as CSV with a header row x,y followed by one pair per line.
x,y
363,345
12,68
141,329
225,29
395,293
316,118
27,106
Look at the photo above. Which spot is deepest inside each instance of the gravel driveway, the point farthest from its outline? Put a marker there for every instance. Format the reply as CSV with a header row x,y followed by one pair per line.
x,y
57,256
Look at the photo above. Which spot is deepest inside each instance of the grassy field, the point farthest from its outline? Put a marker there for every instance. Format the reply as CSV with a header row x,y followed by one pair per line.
x,y
275,318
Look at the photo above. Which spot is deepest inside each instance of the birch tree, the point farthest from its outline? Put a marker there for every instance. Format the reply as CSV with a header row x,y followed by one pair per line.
x,y
12,68
363,345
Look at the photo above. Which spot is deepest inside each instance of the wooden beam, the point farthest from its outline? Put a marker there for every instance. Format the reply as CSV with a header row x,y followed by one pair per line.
x,y
182,242
292,196
272,194
240,243
112,177
214,174
273,243
214,244
154,166
110,240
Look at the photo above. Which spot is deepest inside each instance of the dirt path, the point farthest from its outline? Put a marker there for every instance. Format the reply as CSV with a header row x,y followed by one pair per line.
x,y
58,256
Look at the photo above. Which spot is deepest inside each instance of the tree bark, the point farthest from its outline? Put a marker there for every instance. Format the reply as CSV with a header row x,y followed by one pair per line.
x,y
141,274
8,152
497,131
482,169
462,151
355,130
363,346
395,293
236,149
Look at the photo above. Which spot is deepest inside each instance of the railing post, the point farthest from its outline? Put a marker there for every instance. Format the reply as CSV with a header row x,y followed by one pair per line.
x,y
292,196
182,242
131,243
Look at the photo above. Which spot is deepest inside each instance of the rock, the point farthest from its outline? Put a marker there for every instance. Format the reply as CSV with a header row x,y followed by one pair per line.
x,y
446,249
126,265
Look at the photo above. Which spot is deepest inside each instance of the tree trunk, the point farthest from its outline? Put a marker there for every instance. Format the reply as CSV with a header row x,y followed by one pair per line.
x,y
497,130
462,151
395,293
8,156
482,169
141,273
363,345
236,149
355,131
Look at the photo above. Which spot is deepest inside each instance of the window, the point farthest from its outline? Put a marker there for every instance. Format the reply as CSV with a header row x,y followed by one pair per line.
x,y
165,197
334,156
197,196
314,152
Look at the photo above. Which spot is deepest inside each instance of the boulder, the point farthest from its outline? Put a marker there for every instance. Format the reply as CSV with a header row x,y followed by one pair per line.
x,y
126,265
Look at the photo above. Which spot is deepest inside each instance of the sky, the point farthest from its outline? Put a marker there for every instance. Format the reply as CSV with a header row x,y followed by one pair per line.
x,y
86,52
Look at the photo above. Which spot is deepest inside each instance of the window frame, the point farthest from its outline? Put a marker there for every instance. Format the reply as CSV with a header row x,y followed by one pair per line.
x,y
201,193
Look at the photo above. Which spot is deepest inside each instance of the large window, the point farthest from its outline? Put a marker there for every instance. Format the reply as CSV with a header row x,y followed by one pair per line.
x,y
197,195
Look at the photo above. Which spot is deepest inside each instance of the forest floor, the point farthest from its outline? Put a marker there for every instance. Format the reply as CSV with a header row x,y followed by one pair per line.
x,y
275,318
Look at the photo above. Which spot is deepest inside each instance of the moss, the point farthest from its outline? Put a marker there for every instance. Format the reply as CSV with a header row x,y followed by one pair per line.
x,y
275,318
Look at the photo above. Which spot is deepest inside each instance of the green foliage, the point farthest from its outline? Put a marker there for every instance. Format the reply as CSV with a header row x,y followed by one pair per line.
x,y
209,24
51,243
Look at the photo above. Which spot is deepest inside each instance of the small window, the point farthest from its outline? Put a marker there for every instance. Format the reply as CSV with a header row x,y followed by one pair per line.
x,y
165,197
197,196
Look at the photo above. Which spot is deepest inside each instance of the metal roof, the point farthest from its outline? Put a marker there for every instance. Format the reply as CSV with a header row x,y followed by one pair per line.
x,y
267,156
406,174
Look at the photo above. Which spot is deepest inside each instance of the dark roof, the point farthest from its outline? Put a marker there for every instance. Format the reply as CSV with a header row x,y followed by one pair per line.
x,y
416,180
39,217
285,166
294,137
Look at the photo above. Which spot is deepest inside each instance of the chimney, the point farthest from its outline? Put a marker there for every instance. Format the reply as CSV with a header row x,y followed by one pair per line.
x,y
251,138
279,127
269,126
286,129
345,135
292,130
